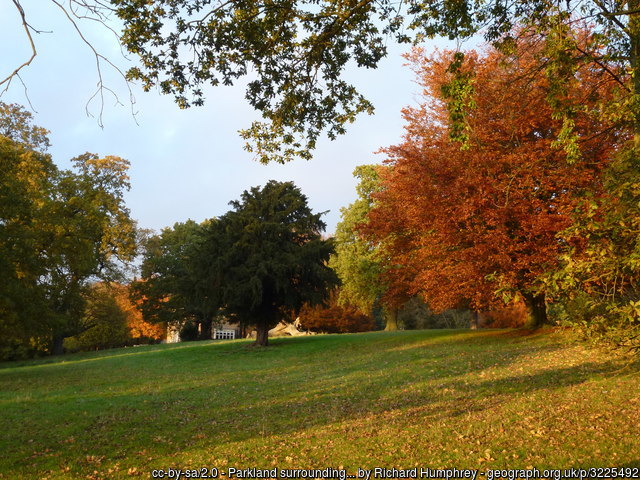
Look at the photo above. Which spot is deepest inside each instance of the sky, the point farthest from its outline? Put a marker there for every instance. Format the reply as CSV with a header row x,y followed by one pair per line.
x,y
185,164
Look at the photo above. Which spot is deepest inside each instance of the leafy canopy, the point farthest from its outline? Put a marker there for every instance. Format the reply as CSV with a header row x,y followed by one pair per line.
x,y
267,254
294,53
465,224
60,230
169,286
357,260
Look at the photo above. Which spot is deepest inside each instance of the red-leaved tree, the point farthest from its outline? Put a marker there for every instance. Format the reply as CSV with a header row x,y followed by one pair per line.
x,y
461,223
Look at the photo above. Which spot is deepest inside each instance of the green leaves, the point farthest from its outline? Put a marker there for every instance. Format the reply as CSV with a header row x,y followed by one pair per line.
x,y
269,254
296,51
59,230
459,95
600,274
264,256
356,261
170,289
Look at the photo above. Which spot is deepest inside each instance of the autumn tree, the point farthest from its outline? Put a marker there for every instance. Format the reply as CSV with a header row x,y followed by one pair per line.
x,y
470,223
266,255
60,230
16,123
139,330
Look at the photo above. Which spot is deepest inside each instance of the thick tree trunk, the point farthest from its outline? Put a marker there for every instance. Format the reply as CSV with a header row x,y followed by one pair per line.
x,y
391,317
57,348
536,310
262,335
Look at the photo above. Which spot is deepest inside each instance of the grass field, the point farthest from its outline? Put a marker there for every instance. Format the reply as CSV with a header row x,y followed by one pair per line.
x,y
437,399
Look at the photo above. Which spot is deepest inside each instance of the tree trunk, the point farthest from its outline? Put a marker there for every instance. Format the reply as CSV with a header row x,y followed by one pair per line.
x,y
243,329
475,320
57,348
391,316
633,31
262,335
536,310
205,328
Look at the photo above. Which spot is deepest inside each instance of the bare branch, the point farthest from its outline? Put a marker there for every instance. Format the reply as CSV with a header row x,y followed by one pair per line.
x,y
27,29
98,16
26,92
99,57
94,10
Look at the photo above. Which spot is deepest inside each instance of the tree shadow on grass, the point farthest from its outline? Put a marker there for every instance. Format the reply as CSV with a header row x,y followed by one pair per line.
x,y
551,378
429,376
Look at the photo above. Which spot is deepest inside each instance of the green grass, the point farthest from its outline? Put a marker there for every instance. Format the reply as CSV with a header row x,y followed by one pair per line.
x,y
438,399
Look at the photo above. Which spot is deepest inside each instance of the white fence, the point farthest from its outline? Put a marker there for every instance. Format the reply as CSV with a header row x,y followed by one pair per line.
x,y
224,334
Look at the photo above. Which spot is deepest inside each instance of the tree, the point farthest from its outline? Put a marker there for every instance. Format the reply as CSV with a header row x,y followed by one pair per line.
x,y
357,260
465,224
24,189
598,281
139,330
266,255
60,230
111,320
16,123
87,233
171,286
298,51
104,323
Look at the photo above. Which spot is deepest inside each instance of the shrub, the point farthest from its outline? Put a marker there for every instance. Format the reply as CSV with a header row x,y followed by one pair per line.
x,y
416,314
335,319
510,316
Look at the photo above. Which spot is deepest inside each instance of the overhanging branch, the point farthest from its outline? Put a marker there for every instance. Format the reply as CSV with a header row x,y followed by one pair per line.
x,y
27,28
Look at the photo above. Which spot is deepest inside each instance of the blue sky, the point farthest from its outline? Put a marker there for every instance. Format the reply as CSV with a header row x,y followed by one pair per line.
x,y
184,163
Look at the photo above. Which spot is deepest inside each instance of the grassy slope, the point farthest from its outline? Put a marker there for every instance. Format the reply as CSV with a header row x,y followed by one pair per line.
x,y
430,398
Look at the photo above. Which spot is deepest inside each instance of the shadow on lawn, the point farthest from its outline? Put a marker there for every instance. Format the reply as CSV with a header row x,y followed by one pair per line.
x,y
317,398
550,379
437,376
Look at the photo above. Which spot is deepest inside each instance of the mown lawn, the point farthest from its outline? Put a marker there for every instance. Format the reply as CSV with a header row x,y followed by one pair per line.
x,y
438,399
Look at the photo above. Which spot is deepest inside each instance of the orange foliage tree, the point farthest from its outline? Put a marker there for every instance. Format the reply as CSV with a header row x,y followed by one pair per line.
x,y
139,329
461,223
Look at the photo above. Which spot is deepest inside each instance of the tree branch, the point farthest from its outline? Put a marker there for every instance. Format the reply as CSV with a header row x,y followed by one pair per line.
x,y
611,16
604,67
98,57
26,28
